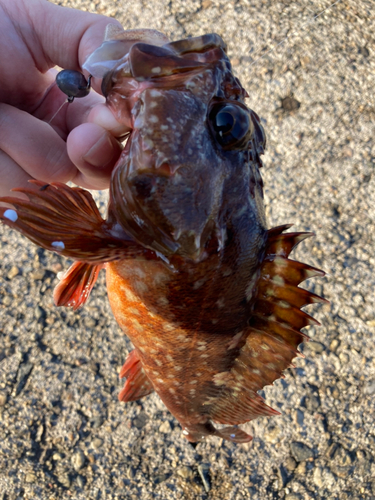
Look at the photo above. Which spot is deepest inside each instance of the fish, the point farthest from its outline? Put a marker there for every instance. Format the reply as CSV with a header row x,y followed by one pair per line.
x,y
206,293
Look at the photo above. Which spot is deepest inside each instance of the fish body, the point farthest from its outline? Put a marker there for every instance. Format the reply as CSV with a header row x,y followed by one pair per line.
x,y
204,291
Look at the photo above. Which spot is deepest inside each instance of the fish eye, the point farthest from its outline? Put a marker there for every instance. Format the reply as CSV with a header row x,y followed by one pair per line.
x,y
231,125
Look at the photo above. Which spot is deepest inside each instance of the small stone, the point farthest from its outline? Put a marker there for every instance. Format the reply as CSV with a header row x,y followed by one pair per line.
x,y
39,433
97,443
290,464
185,472
316,347
57,457
3,398
344,358
301,451
30,477
317,477
13,272
289,103
301,469
160,478
369,387
293,496
281,476
272,434
165,427
140,420
78,460
7,301
80,481
37,274
64,479
334,345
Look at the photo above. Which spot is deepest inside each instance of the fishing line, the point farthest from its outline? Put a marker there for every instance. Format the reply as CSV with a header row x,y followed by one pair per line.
x,y
59,109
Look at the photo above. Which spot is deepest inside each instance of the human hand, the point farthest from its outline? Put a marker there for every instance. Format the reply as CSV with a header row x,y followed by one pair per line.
x,y
80,143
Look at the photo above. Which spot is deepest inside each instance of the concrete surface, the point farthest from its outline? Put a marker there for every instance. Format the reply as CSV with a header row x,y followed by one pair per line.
x,y
63,432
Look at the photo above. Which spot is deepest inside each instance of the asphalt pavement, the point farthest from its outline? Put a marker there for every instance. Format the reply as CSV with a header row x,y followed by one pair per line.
x,y
310,76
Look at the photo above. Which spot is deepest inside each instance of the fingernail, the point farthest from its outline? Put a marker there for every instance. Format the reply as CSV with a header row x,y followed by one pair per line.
x,y
101,153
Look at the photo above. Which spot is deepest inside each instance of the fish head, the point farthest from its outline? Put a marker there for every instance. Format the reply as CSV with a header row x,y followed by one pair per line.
x,y
191,160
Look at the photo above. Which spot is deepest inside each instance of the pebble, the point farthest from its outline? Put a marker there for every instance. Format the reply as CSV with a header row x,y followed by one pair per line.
x,y
369,387
301,451
78,460
140,420
165,427
37,274
290,463
3,398
272,434
185,472
316,347
293,496
30,477
160,478
80,481
13,272
97,443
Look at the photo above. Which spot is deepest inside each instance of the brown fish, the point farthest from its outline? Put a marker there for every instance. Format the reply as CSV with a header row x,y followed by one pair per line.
x,y
205,292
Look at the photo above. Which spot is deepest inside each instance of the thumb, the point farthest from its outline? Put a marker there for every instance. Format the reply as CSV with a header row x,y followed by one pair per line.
x,y
63,36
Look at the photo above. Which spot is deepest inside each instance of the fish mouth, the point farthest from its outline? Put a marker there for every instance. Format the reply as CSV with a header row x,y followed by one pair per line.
x,y
154,59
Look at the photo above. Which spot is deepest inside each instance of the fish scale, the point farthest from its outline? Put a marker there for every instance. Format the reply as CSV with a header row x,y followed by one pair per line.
x,y
205,292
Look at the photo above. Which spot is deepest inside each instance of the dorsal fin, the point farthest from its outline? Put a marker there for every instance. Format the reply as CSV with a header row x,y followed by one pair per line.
x,y
272,337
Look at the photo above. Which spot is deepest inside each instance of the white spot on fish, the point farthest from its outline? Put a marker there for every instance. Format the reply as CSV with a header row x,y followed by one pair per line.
x,y
185,432
164,127
158,362
163,301
133,310
201,348
171,390
153,119
11,215
155,93
140,287
169,358
220,303
199,283
58,245
177,368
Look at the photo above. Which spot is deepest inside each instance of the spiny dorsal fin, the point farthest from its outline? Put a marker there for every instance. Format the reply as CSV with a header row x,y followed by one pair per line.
x,y
273,335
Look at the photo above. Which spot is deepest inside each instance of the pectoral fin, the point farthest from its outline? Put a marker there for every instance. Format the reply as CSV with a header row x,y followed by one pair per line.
x,y
66,220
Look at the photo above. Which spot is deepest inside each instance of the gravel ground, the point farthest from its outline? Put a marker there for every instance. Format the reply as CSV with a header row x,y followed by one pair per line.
x,y
63,432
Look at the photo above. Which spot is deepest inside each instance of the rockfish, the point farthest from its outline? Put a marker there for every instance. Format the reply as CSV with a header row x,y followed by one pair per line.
x,y
205,292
